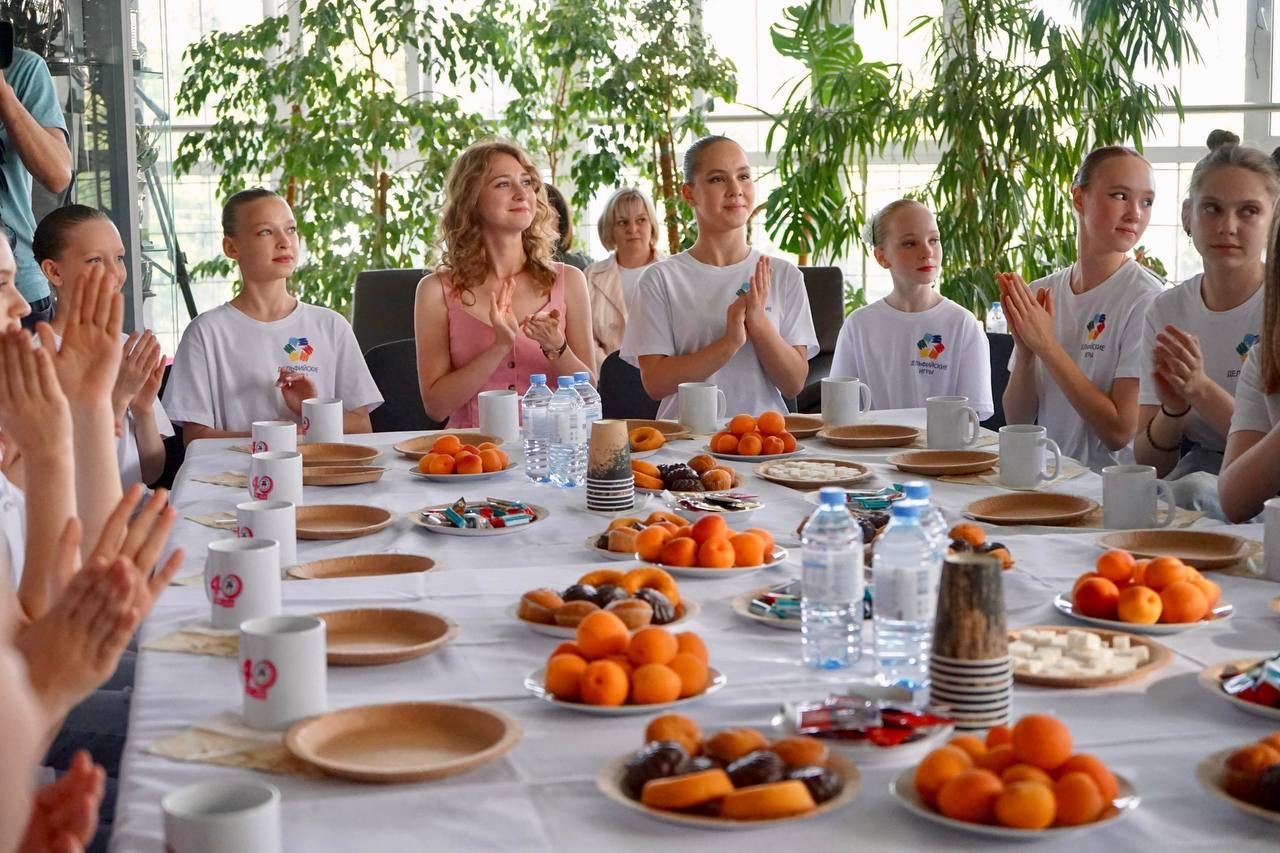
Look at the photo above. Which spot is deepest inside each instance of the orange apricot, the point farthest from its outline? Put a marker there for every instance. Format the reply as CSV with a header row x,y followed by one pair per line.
x,y
565,649
652,645
742,424
1097,597
1163,571
468,448
716,553
1140,572
686,531
1084,577
788,442
487,445
467,463
564,677
649,542
771,423
491,459
622,661
678,728
970,744
692,671
1090,764
750,445
604,683
1025,773
679,551
1212,592
998,758
1116,566
1026,805
772,446
748,549
654,683
1182,602
690,643
1040,740
724,442
441,464
939,767
448,444
1140,605
708,526
765,536
602,633
997,735
424,464
1079,800
971,796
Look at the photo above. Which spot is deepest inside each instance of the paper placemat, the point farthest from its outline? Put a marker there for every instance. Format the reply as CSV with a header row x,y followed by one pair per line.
x,y
225,740
216,520
992,478
1250,566
242,448
922,442
196,643
226,478
189,580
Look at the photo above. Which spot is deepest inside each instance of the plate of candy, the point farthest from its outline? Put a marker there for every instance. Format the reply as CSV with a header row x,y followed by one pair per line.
x,y
1251,685
487,517
868,729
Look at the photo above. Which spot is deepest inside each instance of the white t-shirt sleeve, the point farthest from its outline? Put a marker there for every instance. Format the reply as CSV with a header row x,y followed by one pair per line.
x,y
649,328
188,396
844,361
973,378
1133,340
1251,413
1151,325
796,323
352,380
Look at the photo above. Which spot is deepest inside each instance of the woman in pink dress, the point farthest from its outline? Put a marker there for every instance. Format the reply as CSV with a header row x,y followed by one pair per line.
x,y
497,309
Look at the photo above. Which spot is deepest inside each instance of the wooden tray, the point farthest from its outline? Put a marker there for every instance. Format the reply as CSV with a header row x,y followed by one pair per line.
x,y
803,426
1062,602
340,475
1044,508
340,521
1198,548
419,446
1159,656
609,781
671,430
857,473
363,566
1209,681
1210,773
378,635
938,463
337,454
869,435
402,742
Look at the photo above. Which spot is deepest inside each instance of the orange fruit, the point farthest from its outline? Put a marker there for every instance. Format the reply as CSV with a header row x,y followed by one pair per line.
x,y
1182,602
998,758
649,542
1025,773
742,424
1026,805
971,796
424,464
1079,800
708,526
602,633
1097,597
1140,605
1083,762
672,527
716,553
652,645
997,735
564,676
604,683
654,683
765,536
771,423
748,549
1272,740
1084,577
679,551
440,464
724,442
750,445
788,442
772,446
468,448
1140,572
448,444
491,459
939,767
487,445
1163,571
1116,566
690,643
678,728
692,671
1212,592
1040,740
467,463
686,531
970,744
565,649
622,661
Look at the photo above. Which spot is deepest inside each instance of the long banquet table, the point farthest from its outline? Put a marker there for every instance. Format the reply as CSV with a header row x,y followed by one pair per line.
x,y
542,794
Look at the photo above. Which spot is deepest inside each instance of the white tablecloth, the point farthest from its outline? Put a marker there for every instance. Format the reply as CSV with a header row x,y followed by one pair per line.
x,y
542,795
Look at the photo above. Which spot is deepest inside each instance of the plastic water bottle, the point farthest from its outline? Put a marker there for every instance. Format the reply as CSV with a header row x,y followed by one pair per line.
x,y
904,579
831,584
535,428
931,518
568,450
592,406
995,319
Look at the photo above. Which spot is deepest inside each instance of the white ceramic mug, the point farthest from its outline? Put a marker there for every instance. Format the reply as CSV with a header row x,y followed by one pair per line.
x,y
1130,496
223,817
844,400
322,420
283,670
276,520
702,406
275,435
242,580
1271,539
1022,448
946,419
500,414
276,476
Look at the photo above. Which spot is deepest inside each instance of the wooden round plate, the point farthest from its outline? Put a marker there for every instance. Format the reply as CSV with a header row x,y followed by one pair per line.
x,y
609,781
803,426
671,430
741,605
420,445
1211,773
378,635
403,741
539,514
856,473
1063,603
1159,656
337,454
460,478
341,521
1199,548
340,475
869,435
939,463
535,683
362,566
1209,680
686,611
1044,508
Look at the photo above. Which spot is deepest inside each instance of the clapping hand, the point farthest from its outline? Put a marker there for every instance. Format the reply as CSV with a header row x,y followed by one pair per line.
x,y
64,814
544,328
1179,367
501,316
757,296
34,414
1030,317
139,363
89,358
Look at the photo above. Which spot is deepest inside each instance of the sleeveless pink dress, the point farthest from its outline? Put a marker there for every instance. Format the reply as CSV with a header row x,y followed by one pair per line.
x,y
469,336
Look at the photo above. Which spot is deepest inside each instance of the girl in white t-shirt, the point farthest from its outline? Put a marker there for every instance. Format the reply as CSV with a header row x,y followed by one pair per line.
x,y
721,312
260,355
68,240
1077,332
1199,333
914,343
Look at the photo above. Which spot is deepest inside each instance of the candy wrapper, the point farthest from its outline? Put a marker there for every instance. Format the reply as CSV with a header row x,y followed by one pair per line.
x,y
1259,683
481,515
857,718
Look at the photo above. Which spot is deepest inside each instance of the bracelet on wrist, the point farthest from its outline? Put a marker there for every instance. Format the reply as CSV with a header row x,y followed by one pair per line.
x,y
552,355
1151,440
1169,414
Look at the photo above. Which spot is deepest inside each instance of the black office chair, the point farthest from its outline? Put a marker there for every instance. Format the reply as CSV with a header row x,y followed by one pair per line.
x,y
382,306
394,367
622,394
1001,347
825,288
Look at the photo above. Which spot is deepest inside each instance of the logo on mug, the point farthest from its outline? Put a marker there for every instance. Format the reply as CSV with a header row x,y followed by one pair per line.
x,y
262,485
306,425
226,589
260,447
244,532
930,346
1246,344
258,678
298,349
1096,326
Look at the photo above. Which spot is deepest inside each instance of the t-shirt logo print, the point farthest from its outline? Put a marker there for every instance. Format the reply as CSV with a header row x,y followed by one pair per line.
x,y
1246,344
1095,327
930,346
298,349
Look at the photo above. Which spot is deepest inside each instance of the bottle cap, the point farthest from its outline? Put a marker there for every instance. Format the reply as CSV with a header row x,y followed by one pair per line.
x,y
917,490
905,509
538,379
831,496
565,382
581,376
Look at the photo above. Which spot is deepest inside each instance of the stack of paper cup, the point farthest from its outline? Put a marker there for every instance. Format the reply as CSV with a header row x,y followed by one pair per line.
x,y
610,484
970,671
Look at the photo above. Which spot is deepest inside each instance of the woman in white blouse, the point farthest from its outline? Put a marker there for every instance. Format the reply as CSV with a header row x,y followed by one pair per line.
x,y
629,229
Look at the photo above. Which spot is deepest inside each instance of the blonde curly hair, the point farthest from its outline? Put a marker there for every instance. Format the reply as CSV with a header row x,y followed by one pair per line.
x,y
463,254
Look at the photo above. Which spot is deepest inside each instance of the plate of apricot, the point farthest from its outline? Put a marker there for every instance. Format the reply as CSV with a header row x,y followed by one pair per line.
x,y
451,461
762,438
707,548
1157,596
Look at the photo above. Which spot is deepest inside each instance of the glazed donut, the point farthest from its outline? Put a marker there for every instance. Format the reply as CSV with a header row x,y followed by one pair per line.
x,y
600,577
689,790
652,578
771,800
646,438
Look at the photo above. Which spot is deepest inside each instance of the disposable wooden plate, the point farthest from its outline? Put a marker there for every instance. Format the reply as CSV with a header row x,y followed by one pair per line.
x,y
857,473
340,521
869,435
362,566
1211,773
340,475
337,454
741,605
938,463
803,426
1159,656
419,446
609,781
378,635
1209,680
1047,508
686,611
671,430
404,741
536,683
1064,606
1198,548
539,514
